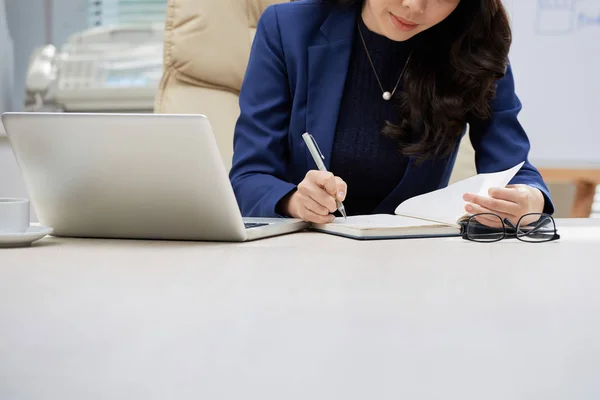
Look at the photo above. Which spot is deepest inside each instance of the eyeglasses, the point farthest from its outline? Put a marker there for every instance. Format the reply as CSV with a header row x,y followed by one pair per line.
x,y
488,227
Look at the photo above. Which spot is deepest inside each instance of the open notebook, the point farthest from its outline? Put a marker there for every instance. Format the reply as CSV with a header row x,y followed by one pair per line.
x,y
434,214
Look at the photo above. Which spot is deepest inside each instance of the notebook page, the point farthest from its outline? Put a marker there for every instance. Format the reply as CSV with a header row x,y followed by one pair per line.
x,y
380,221
447,205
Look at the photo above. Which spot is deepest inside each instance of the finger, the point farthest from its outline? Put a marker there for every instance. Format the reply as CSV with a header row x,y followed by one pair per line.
x,y
319,195
493,204
342,188
491,222
324,179
511,194
309,216
309,203
324,199
487,220
476,209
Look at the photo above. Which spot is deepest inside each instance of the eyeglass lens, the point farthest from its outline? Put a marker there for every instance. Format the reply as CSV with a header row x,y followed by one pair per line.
x,y
536,228
485,228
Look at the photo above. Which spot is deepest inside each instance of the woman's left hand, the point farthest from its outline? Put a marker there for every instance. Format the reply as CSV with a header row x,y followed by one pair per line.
x,y
511,202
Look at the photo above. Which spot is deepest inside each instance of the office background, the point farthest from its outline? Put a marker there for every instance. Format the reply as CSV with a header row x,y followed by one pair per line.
x,y
29,24
53,21
307,316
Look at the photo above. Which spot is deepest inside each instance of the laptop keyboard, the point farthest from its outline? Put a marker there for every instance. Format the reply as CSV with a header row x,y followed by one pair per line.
x,y
254,224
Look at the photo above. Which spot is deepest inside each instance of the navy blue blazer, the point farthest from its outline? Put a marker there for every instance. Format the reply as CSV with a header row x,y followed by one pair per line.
x,y
294,84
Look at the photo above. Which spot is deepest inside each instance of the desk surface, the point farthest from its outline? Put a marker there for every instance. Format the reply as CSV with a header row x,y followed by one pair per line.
x,y
302,316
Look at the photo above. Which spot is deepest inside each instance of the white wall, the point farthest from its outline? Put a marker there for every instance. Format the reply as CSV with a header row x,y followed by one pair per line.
x,y
7,66
26,23
556,59
11,184
28,28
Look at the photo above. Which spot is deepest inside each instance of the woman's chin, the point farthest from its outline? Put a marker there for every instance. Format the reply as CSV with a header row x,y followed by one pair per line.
x,y
398,36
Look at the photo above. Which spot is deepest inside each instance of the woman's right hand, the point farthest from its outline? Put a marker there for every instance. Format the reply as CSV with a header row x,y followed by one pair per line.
x,y
314,201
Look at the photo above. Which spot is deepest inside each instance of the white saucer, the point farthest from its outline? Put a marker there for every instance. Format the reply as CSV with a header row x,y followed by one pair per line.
x,y
24,239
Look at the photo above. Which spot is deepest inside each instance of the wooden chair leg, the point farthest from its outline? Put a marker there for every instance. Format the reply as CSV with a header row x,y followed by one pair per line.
x,y
584,199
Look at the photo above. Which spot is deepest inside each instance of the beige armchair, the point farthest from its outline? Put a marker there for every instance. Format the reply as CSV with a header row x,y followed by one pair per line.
x,y
207,45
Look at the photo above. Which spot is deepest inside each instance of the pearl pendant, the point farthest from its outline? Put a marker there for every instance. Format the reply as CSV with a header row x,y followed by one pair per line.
x,y
387,96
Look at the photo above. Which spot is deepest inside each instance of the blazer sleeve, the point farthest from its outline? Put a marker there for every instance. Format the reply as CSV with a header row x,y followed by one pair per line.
x,y
258,173
500,142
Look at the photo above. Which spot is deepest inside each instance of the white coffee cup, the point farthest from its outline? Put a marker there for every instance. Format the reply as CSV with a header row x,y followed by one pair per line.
x,y
14,215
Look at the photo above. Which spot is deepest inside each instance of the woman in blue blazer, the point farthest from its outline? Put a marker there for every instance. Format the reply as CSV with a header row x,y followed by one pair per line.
x,y
386,88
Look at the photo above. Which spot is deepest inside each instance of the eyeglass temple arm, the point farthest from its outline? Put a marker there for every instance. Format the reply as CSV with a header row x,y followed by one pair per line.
x,y
534,230
507,222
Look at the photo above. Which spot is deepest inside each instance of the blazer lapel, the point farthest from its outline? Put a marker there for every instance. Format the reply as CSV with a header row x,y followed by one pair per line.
x,y
328,62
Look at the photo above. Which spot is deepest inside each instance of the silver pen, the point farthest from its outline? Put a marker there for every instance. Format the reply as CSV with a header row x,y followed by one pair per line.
x,y
313,147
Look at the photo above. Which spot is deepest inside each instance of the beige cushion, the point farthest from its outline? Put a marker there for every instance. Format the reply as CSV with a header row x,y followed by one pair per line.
x,y
207,45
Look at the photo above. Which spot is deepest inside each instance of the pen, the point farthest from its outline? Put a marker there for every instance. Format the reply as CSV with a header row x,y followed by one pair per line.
x,y
313,147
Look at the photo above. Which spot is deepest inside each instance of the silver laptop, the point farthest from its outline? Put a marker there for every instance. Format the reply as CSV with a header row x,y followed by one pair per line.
x,y
136,176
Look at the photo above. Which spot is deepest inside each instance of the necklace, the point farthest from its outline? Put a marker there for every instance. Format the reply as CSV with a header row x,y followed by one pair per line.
x,y
386,95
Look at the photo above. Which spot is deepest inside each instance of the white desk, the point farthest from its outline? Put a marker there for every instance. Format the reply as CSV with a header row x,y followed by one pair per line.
x,y
303,316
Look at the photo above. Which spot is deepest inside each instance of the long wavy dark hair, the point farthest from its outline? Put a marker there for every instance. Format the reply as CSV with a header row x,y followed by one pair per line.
x,y
451,77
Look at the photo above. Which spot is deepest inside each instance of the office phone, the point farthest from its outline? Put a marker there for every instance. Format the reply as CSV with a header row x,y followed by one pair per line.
x,y
115,68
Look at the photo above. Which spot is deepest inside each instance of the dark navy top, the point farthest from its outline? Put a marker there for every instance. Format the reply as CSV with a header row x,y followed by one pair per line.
x,y
362,156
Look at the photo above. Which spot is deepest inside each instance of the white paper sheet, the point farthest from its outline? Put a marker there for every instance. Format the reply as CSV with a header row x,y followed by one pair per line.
x,y
447,205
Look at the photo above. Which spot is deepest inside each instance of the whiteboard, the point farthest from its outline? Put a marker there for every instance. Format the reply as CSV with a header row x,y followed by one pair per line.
x,y
555,58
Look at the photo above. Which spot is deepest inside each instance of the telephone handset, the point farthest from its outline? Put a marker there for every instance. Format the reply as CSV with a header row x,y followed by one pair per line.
x,y
102,68
42,70
41,77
